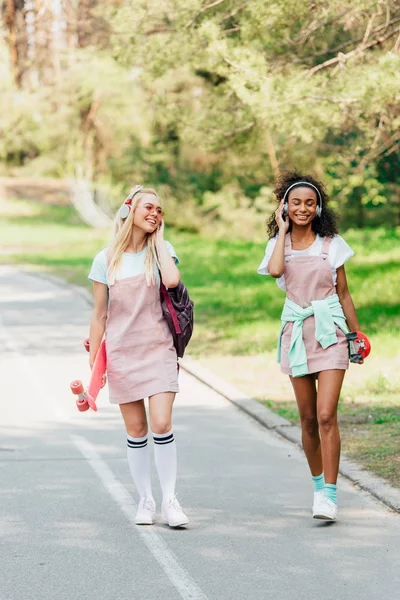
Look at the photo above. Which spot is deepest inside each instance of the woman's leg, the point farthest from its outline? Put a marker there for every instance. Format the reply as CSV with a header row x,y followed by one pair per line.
x,y
160,406
134,415
329,386
306,398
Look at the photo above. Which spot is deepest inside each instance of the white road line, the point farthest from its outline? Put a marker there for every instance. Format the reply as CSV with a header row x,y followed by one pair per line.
x,y
186,586
179,577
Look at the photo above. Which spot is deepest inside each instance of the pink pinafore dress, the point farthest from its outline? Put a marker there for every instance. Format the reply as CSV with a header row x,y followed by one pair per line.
x,y
309,278
141,357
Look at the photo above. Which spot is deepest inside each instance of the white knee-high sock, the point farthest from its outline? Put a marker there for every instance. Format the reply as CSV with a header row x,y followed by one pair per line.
x,y
166,462
139,465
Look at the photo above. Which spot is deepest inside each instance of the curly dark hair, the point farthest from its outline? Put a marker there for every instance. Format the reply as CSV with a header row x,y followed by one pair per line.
x,y
325,225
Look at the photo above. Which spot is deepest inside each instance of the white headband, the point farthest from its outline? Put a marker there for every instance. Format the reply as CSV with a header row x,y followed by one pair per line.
x,y
298,183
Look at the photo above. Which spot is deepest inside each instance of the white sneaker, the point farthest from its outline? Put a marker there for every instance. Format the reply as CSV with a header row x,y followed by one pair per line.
x,y
172,513
318,498
326,510
146,512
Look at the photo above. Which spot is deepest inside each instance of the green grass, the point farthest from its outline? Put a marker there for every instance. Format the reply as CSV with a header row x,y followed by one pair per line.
x,y
49,238
237,310
238,315
370,434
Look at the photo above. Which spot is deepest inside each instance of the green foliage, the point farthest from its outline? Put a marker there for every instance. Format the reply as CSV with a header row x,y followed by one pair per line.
x,y
205,102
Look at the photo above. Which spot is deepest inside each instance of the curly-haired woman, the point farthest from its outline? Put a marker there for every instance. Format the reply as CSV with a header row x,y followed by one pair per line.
x,y
306,256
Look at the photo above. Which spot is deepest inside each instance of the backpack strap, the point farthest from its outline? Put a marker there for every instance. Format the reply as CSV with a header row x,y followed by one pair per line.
x,y
171,308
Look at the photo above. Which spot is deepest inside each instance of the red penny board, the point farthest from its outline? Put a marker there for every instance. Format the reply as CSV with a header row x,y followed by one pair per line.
x,y
99,369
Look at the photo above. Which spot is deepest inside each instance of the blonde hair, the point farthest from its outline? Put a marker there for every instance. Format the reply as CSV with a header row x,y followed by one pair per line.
x,y
122,237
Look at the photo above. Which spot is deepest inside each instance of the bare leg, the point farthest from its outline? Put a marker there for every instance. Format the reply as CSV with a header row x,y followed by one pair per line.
x,y
329,386
306,398
160,406
134,415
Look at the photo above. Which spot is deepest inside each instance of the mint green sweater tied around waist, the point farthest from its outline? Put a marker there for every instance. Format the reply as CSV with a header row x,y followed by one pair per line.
x,y
327,314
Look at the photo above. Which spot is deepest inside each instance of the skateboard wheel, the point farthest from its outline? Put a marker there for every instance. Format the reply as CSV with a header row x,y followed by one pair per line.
x,y
359,346
76,387
364,345
87,344
82,405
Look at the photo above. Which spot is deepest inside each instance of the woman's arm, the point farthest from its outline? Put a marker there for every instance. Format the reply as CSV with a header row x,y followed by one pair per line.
x,y
276,263
170,274
346,300
99,317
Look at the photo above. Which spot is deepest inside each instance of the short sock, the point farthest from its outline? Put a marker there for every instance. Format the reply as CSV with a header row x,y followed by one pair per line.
x,y
319,482
330,492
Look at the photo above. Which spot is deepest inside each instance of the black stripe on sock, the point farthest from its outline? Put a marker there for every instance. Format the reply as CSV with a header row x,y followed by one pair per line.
x,y
163,440
164,443
136,447
132,444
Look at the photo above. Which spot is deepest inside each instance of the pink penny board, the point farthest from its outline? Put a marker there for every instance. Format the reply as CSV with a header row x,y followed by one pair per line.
x,y
99,369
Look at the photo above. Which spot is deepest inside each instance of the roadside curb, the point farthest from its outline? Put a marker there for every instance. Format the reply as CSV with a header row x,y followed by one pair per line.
x,y
374,485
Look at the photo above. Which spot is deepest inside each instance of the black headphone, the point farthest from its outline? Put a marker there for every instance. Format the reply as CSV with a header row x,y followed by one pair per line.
x,y
285,210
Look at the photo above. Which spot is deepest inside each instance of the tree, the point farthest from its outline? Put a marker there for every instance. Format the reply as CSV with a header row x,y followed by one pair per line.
x,y
229,92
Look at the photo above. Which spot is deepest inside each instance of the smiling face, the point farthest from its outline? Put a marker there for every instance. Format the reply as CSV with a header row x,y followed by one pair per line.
x,y
302,205
148,213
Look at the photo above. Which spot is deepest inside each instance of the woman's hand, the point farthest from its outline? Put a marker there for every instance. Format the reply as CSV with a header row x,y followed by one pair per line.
x,y
170,275
160,231
283,223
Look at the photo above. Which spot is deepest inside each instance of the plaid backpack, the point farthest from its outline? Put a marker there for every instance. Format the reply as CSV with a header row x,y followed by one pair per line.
x,y
177,309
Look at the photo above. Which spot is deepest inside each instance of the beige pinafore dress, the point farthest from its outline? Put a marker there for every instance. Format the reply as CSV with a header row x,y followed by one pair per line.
x,y
309,278
141,357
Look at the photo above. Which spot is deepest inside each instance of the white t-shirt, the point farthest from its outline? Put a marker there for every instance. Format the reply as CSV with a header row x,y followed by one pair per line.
x,y
339,253
131,265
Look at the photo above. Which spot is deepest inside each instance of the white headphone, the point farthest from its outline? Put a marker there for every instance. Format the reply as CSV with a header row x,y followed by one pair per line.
x,y
127,205
285,211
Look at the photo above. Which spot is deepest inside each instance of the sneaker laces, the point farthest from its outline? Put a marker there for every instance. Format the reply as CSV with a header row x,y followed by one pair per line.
x,y
174,504
147,504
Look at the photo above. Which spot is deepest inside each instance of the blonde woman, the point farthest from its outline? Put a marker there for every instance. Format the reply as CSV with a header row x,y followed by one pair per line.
x,y
141,358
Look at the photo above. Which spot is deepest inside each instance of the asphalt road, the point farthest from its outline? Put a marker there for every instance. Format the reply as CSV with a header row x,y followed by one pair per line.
x,y
67,501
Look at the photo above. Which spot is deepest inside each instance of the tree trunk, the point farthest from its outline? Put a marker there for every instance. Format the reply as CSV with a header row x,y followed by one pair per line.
x,y
30,27
10,19
272,155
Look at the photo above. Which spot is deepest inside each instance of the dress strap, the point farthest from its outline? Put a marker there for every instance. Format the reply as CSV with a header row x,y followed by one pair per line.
x,y
325,247
288,247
